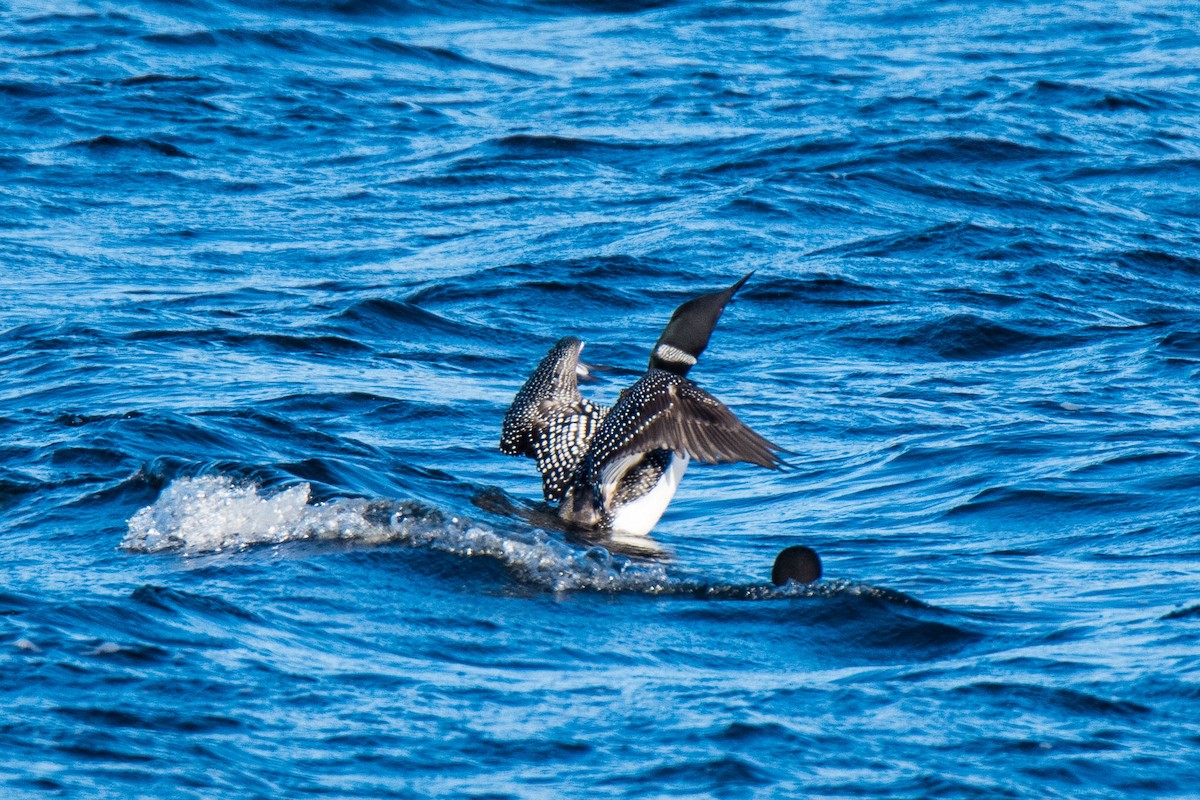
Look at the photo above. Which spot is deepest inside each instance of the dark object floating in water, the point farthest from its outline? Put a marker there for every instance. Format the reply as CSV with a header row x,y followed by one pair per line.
x,y
616,469
798,563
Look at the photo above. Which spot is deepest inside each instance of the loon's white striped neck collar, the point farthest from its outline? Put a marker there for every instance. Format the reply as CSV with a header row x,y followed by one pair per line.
x,y
672,354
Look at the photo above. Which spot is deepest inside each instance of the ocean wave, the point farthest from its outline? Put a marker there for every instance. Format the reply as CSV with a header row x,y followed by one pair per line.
x,y
107,143
270,342
379,314
959,337
820,289
1017,502
212,514
1070,699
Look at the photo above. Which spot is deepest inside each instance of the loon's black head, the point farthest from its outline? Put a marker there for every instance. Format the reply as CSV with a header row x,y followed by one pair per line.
x,y
686,335
799,563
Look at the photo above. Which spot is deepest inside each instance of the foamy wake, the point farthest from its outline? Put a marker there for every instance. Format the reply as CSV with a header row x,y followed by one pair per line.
x,y
213,514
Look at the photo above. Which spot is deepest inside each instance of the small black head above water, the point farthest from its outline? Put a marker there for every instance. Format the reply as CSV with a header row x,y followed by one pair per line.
x,y
798,563
687,334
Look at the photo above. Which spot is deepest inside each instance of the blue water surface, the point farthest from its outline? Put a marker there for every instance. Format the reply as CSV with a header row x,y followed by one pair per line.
x,y
272,273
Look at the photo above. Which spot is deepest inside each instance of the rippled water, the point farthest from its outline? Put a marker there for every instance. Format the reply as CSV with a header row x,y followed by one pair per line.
x,y
272,273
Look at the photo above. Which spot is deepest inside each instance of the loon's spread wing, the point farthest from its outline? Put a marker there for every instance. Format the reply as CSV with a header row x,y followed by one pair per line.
x,y
665,411
552,385
550,421
561,443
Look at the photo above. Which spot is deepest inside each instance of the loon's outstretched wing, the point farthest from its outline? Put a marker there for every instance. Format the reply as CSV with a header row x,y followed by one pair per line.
x,y
550,421
669,412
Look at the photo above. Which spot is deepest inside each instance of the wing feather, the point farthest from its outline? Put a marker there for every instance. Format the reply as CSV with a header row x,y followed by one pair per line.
x,y
550,421
561,439
675,414
552,386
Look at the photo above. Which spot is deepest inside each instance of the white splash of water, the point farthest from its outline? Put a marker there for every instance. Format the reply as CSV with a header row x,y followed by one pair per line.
x,y
212,513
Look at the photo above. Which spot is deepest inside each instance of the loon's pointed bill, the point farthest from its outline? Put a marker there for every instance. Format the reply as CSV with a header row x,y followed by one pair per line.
x,y
550,421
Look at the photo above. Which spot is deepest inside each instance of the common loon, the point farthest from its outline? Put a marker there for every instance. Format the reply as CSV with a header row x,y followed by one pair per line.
x,y
617,468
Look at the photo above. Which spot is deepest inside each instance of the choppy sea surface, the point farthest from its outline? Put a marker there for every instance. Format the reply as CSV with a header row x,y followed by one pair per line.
x,y
272,272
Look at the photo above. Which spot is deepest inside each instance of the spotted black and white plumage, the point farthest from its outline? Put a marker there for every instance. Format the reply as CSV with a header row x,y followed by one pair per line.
x,y
618,468
550,421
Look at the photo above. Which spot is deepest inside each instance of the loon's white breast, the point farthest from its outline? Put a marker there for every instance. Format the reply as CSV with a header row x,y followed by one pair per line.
x,y
638,517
